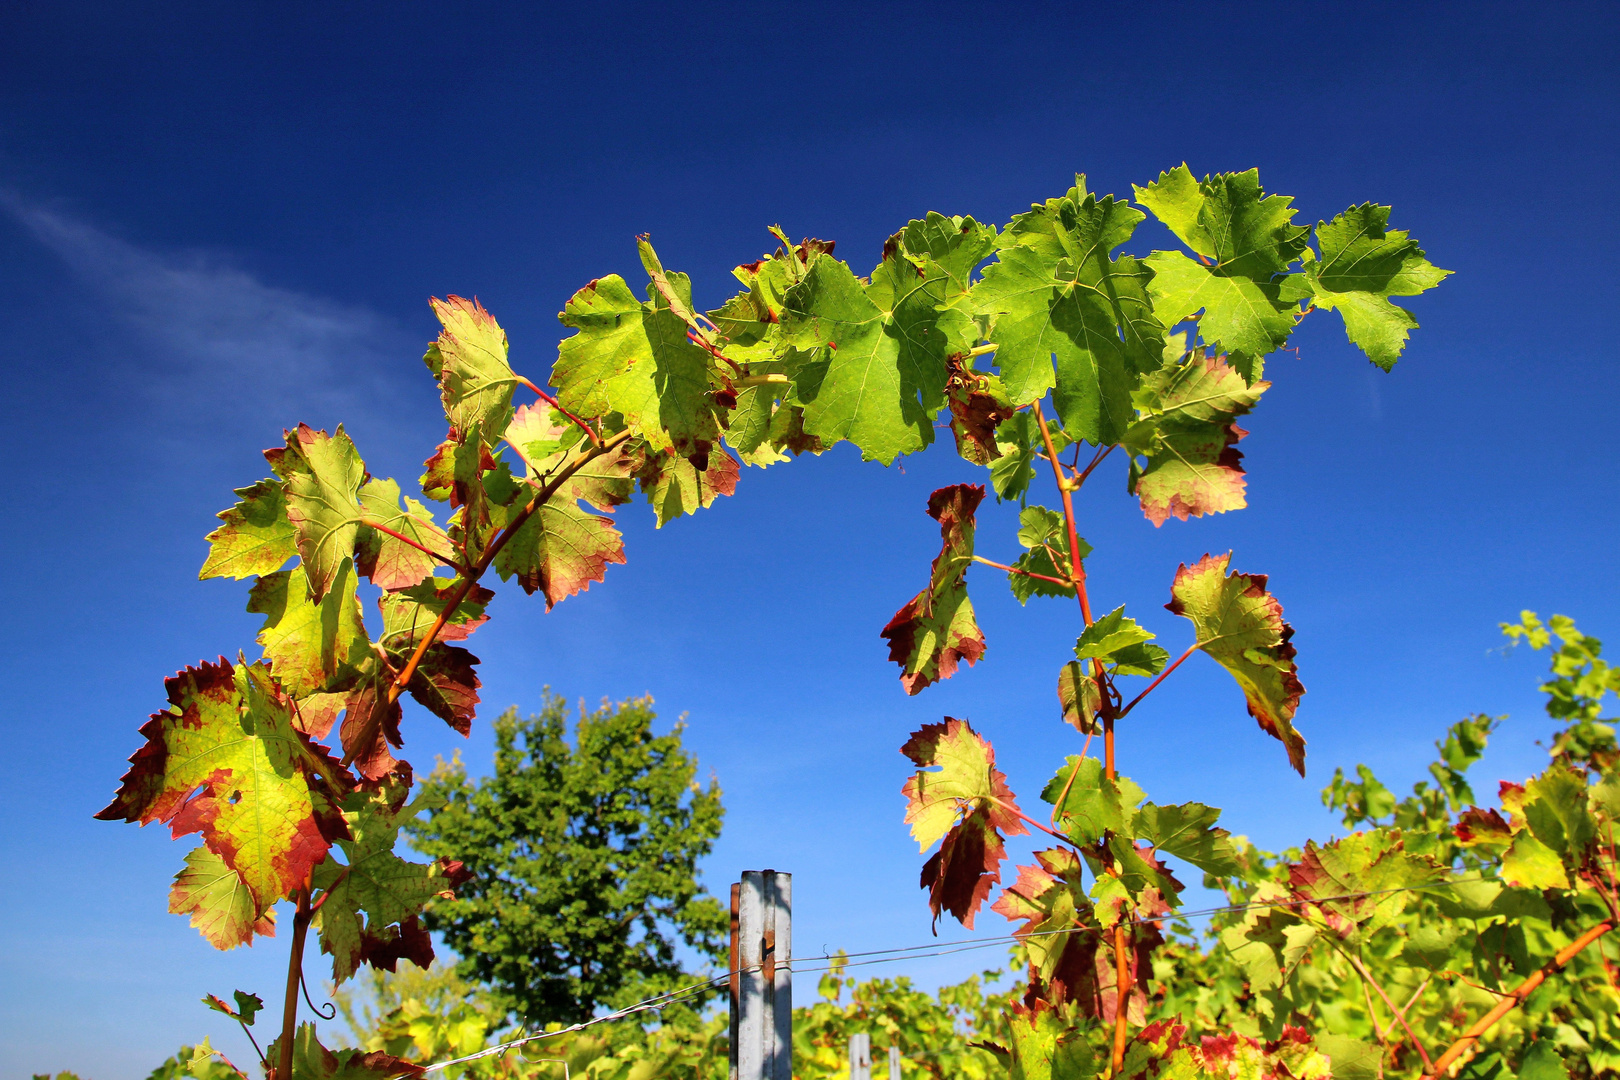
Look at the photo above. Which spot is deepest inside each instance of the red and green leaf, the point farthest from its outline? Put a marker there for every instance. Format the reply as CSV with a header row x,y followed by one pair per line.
x,y
936,629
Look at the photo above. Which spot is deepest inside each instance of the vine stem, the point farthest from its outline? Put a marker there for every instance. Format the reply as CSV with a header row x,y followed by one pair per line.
x,y
1163,675
295,978
1077,571
1399,1014
470,579
1516,998
424,549
1023,573
549,400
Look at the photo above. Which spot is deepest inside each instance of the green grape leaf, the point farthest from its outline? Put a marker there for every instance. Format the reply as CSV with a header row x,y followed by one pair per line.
x,y
1533,865
1363,263
313,647
1240,315
1079,697
469,360
1543,1062
1269,942
1051,900
1362,882
1088,803
1188,832
879,350
959,799
1019,450
1109,635
936,629
633,358
226,761
1247,238
312,1061
1150,888
256,538
675,487
321,476
1240,625
388,561
1056,297
1045,533
1186,431
377,889
1555,807
956,245
221,906
409,613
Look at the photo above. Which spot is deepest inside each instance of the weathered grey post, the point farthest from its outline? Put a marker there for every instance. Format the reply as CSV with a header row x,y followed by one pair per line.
x,y
762,977
860,1056
894,1062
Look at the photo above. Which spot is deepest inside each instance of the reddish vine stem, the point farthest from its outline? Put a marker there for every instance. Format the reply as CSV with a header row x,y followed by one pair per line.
x,y
1077,571
549,400
1022,573
1398,1014
295,978
424,549
468,580
1514,999
1163,675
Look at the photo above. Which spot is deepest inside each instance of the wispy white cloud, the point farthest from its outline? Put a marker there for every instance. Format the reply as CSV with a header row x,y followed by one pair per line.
x,y
214,333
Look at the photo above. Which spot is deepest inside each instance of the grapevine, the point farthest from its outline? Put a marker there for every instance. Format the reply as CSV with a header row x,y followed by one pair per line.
x,y
1030,341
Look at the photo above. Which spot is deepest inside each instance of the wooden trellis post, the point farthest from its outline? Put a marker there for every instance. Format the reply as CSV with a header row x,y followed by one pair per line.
x,y
860,1056
762,976
894,1062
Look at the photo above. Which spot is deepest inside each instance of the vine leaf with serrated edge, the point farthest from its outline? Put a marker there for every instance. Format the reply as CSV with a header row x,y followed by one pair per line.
x,y
1249,239
1045,534
936,628
1186,432
312,1061
321,476
256,538
226,761
1363,263
960,800
469,361
1188,831
878,351
313,647
389,562
371,901
1055,296
674,486
1092,803
1335,877
1240,625
1052,902
634,358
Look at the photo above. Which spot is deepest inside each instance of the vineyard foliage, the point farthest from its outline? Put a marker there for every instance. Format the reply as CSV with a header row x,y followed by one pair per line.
x,y
285,765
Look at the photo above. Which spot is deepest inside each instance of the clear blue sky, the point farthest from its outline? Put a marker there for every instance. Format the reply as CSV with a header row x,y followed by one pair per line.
x,y
219,220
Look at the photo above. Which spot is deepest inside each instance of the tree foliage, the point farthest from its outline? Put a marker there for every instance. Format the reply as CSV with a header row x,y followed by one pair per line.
x,y
581,861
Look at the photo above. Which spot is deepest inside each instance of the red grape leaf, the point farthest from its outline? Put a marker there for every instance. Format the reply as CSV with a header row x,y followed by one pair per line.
x,y
674,486
445,684
560,549
936,628
312,1061
368,707
961,800
227,761
219,902
1335,877
1240,625
1052,901
1186,432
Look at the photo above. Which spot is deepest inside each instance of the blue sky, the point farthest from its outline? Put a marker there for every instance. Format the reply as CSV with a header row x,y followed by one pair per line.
x,y
217,221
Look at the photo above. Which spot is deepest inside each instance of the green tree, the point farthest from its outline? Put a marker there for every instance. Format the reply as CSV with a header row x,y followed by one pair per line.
x,y
583,860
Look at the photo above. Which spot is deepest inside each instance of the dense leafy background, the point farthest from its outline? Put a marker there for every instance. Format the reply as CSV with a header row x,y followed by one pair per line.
x,y
217,225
